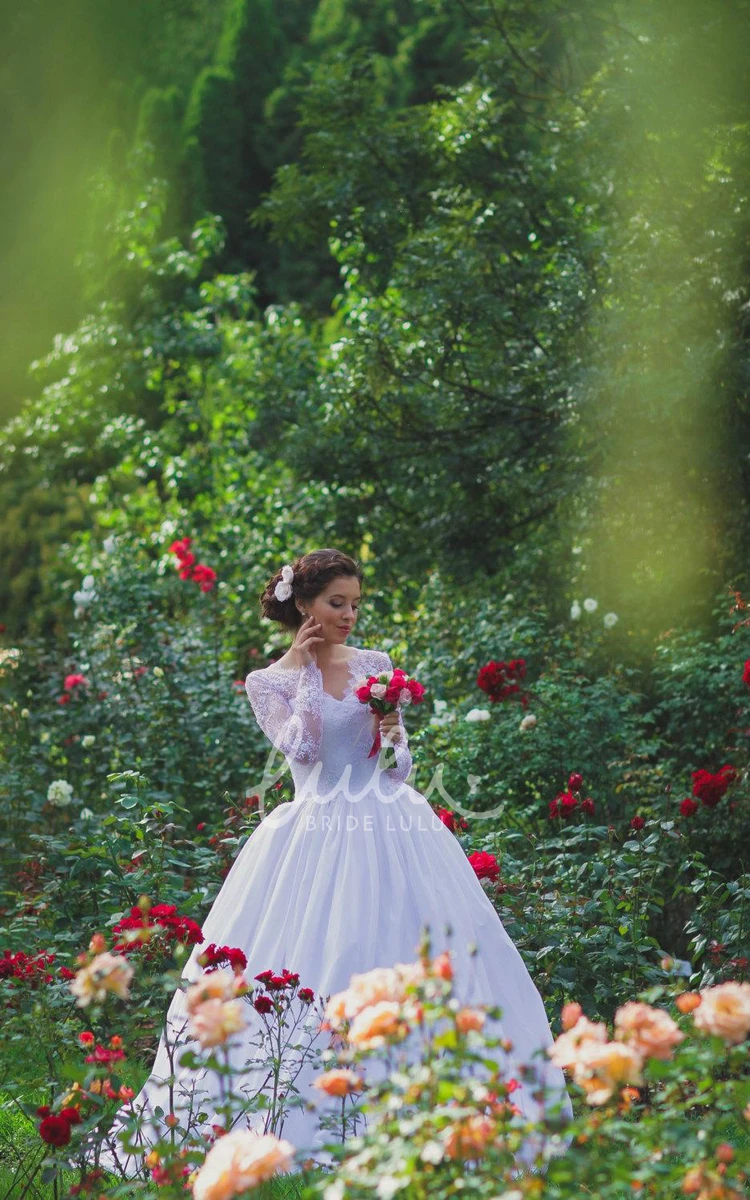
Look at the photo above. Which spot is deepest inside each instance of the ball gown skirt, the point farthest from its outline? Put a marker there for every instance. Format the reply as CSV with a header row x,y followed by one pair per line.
x,y
344,879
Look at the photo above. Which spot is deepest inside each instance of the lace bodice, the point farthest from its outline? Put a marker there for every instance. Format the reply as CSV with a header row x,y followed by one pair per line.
x,y
325,740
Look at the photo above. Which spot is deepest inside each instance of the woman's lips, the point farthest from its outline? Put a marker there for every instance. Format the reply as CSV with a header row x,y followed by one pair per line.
x,y
345,628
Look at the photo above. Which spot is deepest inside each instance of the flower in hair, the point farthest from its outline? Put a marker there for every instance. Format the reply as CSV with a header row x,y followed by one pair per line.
x,y
283,589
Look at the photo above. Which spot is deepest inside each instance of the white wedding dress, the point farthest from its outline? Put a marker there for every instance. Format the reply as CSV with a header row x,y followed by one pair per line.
x,y
344,879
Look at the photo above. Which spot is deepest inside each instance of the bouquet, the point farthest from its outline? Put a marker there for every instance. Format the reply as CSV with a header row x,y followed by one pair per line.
x,y
388,692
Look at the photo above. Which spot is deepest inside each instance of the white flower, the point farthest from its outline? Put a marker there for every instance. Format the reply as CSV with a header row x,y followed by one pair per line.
x,y
88,582
84,597
85,814
378,690
528,722
25,713
578,549
440,705
610,619
87,740
432,1152
59,793
283,589
404,696
44,737
575,611
109,544
477,714
590,605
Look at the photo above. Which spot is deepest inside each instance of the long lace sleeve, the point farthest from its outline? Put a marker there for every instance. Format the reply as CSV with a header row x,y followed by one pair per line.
x,y
404,762
293,724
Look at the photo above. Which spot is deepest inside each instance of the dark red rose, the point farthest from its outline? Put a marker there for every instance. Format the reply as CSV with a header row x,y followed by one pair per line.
x,y
307,995
55,1130
688,807
263,1004
637,823
575,782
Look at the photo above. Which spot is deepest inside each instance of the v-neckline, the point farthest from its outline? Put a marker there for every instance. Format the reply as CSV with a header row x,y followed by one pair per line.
x,y
348,692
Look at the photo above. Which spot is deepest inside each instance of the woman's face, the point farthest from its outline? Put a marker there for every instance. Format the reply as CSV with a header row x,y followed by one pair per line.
x,y
336,608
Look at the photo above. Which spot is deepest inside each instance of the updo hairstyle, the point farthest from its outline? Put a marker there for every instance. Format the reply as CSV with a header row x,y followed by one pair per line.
x,y
312,574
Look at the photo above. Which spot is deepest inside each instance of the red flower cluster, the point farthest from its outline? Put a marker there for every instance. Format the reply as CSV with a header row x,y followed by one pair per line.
x,y
214,956
287,980
74,681
451,820
710,788
501,680
565,803
32,969
688,807
395,683
161,918
55,1127
485,865
188,568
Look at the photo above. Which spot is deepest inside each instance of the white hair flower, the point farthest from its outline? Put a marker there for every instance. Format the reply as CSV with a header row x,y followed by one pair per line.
x,y
283,589
591,605
610,619
575,611
528,722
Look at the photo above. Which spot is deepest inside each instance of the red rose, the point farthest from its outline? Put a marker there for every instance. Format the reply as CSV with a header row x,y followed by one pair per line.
x,y
567,803
416,689
588,806
263,1004
710,788
637,823
688,807
72,1114
485,865
575,782
55,1130
306,994
746,673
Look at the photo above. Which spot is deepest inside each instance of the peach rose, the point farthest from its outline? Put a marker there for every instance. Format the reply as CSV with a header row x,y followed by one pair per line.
x,y
213,985
651,1031
240,1160
564,1050
600,1068
442,965
469,1018
339,1082
371,987
105,974
470,1138
725,1010
213,1021
687,1001
374,1025
570,1013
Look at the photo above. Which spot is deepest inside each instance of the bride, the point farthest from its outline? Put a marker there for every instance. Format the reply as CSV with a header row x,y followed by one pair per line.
x,y
346,877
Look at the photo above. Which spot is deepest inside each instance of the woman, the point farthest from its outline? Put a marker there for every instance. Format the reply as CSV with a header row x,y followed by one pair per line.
x,y
347,877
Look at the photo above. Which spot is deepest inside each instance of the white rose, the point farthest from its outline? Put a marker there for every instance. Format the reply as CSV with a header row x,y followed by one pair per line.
x,y
378,690
478,714
404,696
528,722
87,740
59,793
440,705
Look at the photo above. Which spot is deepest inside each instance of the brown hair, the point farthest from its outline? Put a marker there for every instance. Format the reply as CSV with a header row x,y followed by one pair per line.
x,y
312,574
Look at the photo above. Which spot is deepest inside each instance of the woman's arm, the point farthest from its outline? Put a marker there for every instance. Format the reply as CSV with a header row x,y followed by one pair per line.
x,y
293,725
404,762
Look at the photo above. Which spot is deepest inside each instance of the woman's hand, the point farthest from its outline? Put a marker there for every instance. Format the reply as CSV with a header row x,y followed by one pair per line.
x,y
303,647
389,725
